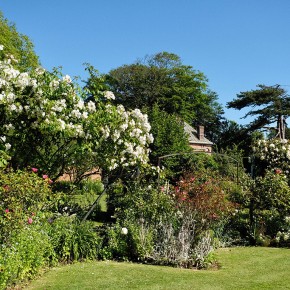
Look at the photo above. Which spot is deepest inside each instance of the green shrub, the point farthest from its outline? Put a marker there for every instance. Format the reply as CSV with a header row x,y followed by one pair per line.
x,y
131,241
117,246
282,237
73,240
22,195
27,252
163,228
272,191
264,204
205,197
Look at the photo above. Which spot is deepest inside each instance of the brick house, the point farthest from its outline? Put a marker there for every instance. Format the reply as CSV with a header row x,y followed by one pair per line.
x,y
197,139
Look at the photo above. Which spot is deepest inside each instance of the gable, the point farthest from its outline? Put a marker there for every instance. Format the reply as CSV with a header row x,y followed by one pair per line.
x,y
195,137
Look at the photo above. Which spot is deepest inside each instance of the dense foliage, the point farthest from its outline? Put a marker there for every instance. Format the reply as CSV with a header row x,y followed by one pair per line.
x,y
174,225
164,80
18,45
169,139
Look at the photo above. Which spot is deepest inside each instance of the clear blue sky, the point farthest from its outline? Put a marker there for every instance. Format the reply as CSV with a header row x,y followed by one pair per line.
x,y
237,44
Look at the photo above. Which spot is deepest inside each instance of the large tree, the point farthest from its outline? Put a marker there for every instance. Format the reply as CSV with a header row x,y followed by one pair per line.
x,y
162,79
269,104
18,45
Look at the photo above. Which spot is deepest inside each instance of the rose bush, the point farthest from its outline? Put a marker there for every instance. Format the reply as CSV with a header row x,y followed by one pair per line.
x,y
45,119
275,153
23,196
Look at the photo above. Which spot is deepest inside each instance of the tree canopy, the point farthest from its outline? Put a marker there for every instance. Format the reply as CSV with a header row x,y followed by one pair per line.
x,y
18,45
269,104
162,79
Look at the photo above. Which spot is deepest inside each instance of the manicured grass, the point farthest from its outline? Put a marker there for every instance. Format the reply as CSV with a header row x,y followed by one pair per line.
x,y
241,268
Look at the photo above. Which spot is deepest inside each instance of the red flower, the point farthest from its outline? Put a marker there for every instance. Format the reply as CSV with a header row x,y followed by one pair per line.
x,y
6,210
278,171
34,169
30,220
45,176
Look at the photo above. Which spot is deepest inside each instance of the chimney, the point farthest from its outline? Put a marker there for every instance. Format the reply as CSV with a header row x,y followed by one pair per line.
x,y
200,132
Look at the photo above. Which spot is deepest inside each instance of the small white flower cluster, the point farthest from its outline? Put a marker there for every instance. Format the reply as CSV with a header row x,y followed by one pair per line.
x,y
7,146
109,95
124,231
67,79
284,236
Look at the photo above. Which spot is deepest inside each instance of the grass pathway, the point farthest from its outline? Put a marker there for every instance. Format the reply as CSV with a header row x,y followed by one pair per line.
x,y
241,268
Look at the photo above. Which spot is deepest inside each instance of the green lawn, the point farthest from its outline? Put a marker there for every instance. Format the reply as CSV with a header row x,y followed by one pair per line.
x,y
241,268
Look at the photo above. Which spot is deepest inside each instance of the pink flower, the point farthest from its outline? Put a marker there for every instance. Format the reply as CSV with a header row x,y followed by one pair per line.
x,y
6,210
30,220
45,176
50,181
34,169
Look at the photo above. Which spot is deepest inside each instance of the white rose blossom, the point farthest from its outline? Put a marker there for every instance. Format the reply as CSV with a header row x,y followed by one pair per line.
x,y
7,146
109,95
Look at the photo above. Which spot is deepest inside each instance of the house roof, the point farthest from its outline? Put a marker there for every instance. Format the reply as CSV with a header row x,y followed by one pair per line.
x,y
193,137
